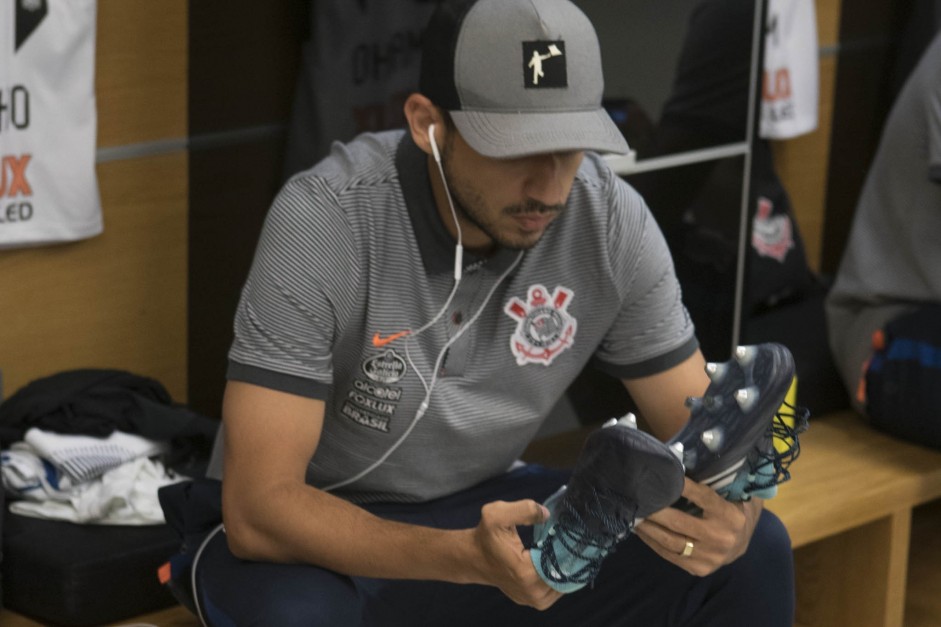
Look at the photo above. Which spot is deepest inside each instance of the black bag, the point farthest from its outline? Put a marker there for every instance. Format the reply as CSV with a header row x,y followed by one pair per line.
x,y
903,380
73,575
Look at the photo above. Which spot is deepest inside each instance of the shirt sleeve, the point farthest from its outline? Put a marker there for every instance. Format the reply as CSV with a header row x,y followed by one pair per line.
x,y
652,331
294,298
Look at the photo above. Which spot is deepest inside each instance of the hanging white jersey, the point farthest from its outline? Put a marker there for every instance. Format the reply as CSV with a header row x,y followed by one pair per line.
x,y
48,188
790,81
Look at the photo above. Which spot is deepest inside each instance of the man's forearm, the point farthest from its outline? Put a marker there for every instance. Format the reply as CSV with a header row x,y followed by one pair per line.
x,y
298,523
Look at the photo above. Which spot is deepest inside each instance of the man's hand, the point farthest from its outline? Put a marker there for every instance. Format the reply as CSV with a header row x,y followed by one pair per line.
x,y
505,561
720,537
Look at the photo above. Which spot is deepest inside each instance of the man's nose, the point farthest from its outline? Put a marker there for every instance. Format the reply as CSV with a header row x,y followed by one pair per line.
x,y
544,181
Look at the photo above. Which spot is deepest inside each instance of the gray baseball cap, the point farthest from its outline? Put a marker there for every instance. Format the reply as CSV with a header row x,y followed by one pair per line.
x,y
519,77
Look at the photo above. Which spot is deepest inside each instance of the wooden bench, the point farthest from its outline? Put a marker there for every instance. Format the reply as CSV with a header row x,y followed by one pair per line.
x,y
848,509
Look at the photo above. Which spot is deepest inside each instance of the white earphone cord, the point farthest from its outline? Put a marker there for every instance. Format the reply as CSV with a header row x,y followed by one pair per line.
x,y
458,263
428,387
459,249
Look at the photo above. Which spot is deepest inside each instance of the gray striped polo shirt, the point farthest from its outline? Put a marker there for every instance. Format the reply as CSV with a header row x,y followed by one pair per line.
x,y
353,253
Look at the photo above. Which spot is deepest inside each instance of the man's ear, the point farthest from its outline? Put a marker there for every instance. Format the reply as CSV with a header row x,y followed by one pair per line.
x,y
421,113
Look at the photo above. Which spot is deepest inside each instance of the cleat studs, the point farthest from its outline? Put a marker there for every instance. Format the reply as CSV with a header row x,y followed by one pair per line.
x,y
712,403
746,397
629,420
677,449
693,402
712,438
610,422
744,355
716,372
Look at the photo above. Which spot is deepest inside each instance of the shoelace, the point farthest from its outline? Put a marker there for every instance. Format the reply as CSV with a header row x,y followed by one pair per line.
x,y
572,532
785,427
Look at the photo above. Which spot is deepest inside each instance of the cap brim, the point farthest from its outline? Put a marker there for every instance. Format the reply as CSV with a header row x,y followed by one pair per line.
x,y
506,135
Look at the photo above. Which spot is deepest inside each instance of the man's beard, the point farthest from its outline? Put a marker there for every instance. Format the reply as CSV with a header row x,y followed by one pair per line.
x,y
470,206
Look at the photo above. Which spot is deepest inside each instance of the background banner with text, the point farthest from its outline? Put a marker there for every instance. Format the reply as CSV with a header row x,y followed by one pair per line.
x,y
48,122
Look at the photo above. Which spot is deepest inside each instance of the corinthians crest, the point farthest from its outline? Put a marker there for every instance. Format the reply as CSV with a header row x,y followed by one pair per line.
x,y
544,328
772,235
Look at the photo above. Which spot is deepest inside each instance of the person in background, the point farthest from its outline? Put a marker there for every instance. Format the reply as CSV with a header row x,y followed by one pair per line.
x,y
884,310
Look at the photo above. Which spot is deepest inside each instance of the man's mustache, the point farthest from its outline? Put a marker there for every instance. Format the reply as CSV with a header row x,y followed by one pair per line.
x,y
534,207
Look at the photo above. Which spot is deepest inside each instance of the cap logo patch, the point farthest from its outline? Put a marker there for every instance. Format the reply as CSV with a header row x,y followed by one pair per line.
x,y
544,64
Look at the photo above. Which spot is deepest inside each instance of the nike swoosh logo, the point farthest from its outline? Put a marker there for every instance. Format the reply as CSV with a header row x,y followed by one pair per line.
x,y
379,341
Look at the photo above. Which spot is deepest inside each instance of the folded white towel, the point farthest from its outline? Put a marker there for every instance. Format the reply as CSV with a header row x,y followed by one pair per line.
x,y
27,475
83,457
125,495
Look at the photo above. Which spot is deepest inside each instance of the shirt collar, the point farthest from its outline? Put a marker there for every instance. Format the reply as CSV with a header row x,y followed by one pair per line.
x,y
434,242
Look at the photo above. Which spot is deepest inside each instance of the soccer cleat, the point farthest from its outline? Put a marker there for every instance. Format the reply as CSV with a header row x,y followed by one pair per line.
x,y
742,435
622,475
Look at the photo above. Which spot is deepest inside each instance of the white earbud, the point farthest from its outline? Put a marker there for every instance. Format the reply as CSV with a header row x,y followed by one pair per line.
x,y
434,144
459,249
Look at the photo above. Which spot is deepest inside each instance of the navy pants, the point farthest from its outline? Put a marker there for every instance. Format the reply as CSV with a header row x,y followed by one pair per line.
x,y
635,586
